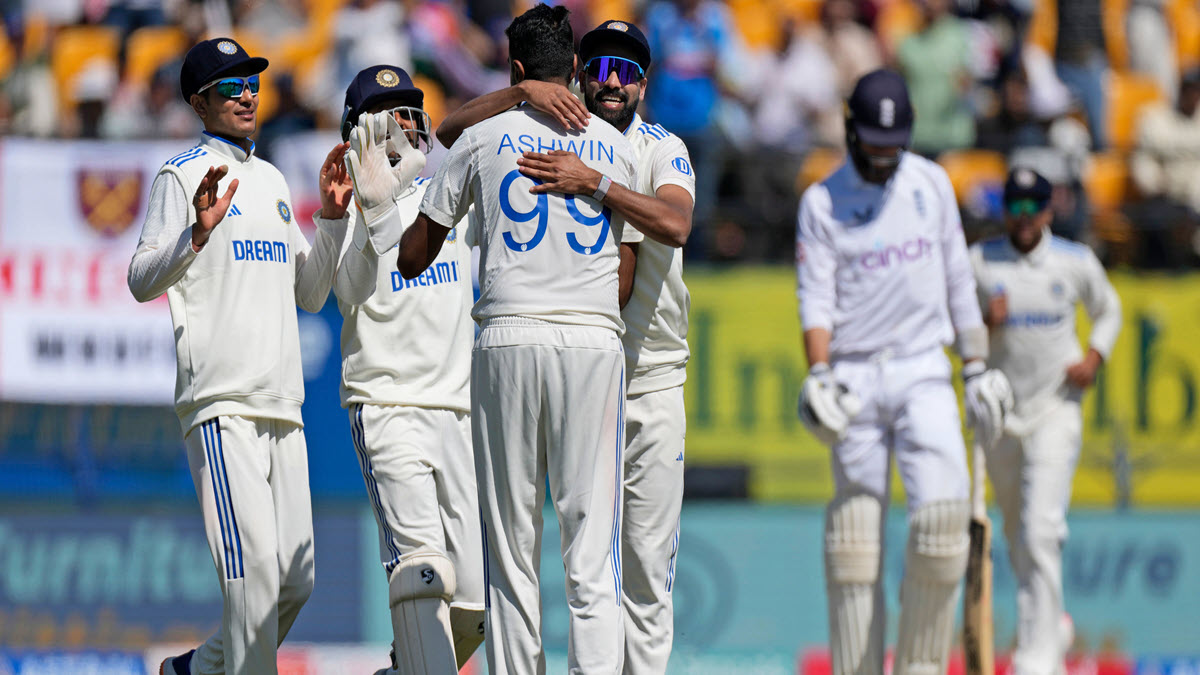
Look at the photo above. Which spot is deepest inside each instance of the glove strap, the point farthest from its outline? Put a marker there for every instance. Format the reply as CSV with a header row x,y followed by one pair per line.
x,y
973,369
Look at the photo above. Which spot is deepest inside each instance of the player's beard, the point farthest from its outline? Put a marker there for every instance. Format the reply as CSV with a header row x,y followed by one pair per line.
x,y
618,118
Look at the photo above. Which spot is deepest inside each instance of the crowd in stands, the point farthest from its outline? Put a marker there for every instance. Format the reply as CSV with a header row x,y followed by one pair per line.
x,y
1100,96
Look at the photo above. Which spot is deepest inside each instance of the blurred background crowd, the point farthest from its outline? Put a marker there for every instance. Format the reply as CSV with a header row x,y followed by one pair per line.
x,y
1099,95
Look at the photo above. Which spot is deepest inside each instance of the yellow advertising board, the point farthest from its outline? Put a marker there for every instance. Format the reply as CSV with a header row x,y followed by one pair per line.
x,y
1141,432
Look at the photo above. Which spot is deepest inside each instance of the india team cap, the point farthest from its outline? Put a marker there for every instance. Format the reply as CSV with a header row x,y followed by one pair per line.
x,y
211,59
375,85
1024,183
619,32
880,110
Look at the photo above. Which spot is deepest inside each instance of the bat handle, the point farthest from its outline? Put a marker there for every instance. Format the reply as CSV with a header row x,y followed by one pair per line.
x,y
978,479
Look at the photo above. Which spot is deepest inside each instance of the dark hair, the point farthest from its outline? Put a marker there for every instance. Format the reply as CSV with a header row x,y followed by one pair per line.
x,y
541,39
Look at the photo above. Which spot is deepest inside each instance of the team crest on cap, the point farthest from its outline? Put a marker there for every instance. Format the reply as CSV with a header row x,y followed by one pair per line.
x,y
284,211
1025,178
387,78
226,47
617,25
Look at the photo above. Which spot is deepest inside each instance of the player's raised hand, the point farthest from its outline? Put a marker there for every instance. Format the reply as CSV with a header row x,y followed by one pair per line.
x,y
335,185
210,209
559,171
557,101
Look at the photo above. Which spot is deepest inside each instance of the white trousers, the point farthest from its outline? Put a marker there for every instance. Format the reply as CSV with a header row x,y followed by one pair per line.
x,y
419,471
654,438
910,411
547,401
1031,477
251,477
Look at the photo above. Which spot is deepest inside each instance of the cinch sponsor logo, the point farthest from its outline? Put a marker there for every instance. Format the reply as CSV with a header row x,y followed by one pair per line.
x,y
895,254
1033,319
260,249
438,274
584,148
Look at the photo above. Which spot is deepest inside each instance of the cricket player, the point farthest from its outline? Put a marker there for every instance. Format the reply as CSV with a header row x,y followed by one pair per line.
x,y
547,381
615,57
884,285
234,267
406,355
1029,284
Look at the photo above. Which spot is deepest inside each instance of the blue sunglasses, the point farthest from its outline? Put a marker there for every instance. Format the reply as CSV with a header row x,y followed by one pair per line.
x,y
232,87
628,72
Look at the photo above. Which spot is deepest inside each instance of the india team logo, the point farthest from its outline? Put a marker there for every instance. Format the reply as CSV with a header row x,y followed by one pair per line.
x,y
452,235
387,78
617,25
110,200
681,165
226,47
284,211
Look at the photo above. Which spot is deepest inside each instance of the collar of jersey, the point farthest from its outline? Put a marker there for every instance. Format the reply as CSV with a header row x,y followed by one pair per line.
x,y
1037,255
633,125
225,148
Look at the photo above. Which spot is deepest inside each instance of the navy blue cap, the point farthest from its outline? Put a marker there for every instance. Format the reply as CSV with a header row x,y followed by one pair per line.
x,y
374,85
211,59
1026,183
620,32
879,109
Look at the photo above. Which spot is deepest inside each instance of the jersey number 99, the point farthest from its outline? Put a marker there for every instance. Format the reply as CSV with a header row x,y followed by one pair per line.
x,y
541,211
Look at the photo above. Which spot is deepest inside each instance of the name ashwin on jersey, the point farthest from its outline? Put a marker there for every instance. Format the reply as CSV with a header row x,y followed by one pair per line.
x,y
584,148
437,274
260,249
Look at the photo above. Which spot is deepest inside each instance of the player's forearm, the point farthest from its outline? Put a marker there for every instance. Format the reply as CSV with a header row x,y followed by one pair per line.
x,y
477,110
315,269
658,219
420,246
153,270
816,345
1106,322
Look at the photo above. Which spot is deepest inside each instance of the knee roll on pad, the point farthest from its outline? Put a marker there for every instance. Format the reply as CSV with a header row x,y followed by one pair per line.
x,y
852,546
425,575
934,564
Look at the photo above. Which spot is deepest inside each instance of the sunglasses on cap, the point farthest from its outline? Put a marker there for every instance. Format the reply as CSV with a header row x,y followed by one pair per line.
x,y
232,87
628,72
1025,207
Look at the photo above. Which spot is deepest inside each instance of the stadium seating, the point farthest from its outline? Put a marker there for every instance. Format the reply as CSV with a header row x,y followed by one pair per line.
x,y
1106,180
1127,94
150,47
816,166
74,48
972,170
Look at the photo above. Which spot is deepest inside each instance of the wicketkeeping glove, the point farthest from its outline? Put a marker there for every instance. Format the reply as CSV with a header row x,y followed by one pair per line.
x,y
826,407
989,399
377,184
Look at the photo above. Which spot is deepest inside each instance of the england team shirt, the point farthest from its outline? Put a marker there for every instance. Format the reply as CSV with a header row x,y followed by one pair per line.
x,y
884,267
656,316
233,304
1038,340
406,341
552,257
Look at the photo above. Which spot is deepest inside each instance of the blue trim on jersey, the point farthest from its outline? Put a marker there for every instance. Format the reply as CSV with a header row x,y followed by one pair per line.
x,y
420,180
233,526
617,491
185,157
655,131
1069,247
671,560
206,442
225,140
359,432
487,574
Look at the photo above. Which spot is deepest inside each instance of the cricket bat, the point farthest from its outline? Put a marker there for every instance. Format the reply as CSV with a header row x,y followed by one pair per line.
x,y
978,632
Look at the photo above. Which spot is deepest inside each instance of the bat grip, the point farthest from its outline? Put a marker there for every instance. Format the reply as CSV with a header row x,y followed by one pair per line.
x,y
978,479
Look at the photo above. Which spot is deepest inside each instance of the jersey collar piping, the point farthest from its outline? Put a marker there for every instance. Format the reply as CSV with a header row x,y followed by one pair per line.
x,y
633,126
226,148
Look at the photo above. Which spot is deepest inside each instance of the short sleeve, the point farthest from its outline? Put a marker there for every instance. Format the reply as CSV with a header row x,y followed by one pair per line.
x,y
447,196
671,165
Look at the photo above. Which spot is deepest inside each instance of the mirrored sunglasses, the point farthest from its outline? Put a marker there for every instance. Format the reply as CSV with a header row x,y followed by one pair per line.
x,y
601,67
231,87
1025,207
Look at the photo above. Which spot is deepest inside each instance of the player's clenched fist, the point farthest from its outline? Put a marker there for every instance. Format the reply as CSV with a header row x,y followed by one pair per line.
x,y
988,398
210,209
826,407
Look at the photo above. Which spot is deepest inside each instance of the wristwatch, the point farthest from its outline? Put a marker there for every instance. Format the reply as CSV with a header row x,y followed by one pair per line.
x,y
605,183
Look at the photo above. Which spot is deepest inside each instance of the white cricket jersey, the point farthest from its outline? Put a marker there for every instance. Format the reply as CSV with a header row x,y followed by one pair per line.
x,y
405,342
884,267
233,304
1038,340
656,316
552,256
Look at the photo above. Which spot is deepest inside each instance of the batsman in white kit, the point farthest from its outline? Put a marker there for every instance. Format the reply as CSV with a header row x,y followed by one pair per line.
x,y
1029,284
234,268
547,381
885,284
615,57
406,350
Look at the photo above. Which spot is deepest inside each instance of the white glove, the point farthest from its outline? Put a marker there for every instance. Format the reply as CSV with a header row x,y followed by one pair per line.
x,y
989,399
377,184
826,407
